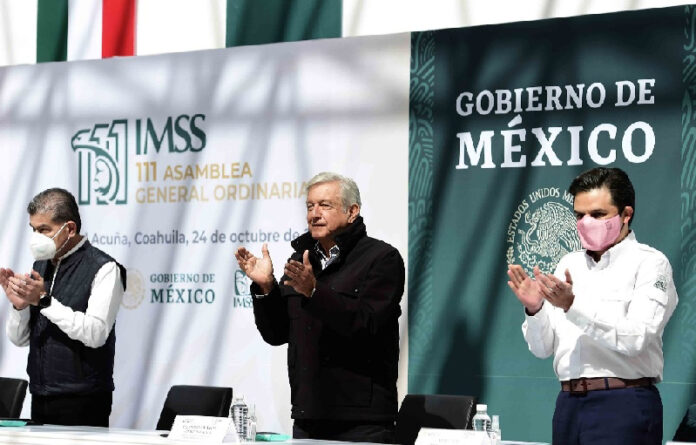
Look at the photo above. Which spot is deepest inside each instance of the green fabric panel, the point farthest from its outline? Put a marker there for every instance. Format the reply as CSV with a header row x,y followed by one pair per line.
x,y
467,224
253,22
52,31
684,322
420,207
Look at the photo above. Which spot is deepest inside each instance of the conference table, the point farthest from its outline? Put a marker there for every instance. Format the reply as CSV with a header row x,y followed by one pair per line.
x,y
66,435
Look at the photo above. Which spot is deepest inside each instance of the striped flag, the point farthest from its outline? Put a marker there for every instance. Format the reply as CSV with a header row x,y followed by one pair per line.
x,y
84,29
60,30
56,30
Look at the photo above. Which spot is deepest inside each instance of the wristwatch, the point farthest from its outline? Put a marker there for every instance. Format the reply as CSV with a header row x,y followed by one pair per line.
x,y
44,301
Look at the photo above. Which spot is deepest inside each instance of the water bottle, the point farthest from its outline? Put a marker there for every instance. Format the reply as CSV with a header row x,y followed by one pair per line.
x,y
251,425
481,421
495,434
240,414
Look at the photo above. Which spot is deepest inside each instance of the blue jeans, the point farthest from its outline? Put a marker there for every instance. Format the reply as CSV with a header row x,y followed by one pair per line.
x,y
631,416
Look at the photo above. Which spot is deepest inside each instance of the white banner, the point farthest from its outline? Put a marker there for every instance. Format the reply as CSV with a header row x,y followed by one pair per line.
x,y
176,160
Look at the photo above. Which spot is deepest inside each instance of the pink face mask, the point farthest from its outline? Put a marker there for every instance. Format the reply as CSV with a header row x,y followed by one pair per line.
x,y
598,234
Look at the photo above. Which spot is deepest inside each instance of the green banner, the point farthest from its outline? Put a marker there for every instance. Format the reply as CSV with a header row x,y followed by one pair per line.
x,y
503,117
52,31
254,22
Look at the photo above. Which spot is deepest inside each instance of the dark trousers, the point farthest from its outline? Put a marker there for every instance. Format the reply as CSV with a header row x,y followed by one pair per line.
x,y
631,416
83,409
349,431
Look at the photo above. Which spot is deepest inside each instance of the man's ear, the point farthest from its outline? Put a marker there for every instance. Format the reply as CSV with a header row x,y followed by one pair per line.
x,y
353,212
627,214
72,228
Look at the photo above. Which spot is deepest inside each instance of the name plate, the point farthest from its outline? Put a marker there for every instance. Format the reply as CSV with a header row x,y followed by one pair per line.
x,y
204,428
433,436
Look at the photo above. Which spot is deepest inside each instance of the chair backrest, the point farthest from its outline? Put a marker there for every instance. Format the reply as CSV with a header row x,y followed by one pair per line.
x,y
687,429
12,393
194,400
432,411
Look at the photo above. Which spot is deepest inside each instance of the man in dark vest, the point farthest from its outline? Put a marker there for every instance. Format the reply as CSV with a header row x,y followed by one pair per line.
x,y
65,310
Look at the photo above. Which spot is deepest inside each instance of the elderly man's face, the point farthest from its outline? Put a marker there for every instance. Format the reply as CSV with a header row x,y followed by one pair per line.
x,y
325,214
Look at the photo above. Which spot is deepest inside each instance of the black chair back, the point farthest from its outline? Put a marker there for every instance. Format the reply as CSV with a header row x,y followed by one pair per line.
x,y
12,393
194,401
687,429
432,411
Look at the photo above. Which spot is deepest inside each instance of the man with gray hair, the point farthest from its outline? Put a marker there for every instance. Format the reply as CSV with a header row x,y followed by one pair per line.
x,y
65,310
337,308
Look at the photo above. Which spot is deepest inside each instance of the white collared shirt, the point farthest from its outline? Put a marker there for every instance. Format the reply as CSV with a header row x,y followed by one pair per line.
x,y
91,327
615,324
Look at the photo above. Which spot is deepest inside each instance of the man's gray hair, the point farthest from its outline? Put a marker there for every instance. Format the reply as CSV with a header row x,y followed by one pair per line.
x,y
59,203
350,194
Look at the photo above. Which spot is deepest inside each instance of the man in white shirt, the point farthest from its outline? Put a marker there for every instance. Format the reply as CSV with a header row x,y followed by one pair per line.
x,y
65,310
602,315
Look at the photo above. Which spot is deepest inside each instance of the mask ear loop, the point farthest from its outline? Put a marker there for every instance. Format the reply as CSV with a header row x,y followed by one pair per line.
x,y
62,245
629,218
59,230
55,272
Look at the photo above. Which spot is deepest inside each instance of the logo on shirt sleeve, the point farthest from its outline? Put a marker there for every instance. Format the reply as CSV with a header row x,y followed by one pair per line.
x,y
661,283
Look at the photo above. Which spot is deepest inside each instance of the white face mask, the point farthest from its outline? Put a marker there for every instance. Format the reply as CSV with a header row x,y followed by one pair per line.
x,y
43,247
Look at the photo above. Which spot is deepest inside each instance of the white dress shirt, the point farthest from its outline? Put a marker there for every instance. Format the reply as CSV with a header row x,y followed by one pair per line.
x,y
91,327
614,326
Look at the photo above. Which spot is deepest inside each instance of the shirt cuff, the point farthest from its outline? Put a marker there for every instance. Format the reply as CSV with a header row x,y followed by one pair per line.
x,y
526,312
539,318
256,290
57,311
20,315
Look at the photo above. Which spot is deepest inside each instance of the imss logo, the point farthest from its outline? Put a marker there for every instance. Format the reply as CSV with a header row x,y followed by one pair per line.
x,y
242,283
242,293
103,151
542,230
103,163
